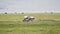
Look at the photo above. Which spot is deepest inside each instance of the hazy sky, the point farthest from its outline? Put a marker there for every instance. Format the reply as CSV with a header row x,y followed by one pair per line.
x,y
29,5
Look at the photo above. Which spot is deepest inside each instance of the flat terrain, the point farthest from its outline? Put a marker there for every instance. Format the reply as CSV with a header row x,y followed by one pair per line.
x,y
12,24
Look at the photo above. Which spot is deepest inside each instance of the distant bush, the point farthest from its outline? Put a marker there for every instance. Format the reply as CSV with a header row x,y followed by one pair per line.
x,y
5,13
51,12
22,13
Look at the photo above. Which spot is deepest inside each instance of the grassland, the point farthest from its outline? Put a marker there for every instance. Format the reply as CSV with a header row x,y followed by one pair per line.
x,y
12,24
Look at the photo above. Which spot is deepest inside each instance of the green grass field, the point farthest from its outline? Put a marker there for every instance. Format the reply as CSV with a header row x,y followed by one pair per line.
x,y
12,24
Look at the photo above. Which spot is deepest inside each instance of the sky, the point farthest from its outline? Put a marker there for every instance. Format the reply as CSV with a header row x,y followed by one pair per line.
x,y
32,6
